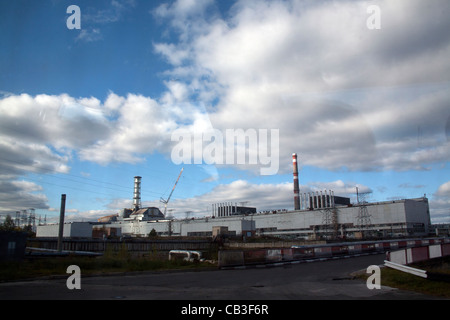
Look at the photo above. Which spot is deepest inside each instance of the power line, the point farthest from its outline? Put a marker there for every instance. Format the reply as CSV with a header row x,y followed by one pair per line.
x,y
55,175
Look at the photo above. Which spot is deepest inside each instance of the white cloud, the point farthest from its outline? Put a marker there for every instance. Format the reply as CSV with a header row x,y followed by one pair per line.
x,y
182,12
142,127
89,35
17,195
440,204
110,14
38,135
340,188
90,215
93,20
444,190
262,196
60,121
343,96
174,55
290,47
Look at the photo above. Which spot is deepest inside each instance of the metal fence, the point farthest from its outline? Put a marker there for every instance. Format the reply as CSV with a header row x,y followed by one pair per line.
x,y
132,245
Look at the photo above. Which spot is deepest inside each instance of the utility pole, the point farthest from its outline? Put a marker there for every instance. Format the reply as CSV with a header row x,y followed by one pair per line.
x,y
61,221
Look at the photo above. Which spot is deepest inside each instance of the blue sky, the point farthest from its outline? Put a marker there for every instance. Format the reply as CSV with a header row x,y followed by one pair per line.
x,y
84,111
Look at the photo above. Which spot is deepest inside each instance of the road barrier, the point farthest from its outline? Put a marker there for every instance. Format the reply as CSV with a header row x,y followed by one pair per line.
x,y
416,254
233,258
400,258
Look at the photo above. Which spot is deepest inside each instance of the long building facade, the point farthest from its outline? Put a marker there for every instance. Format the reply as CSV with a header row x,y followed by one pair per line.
x,y
407,217
383,219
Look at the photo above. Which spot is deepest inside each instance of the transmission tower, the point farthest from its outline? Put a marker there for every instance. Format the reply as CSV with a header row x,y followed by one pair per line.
x,y
327,219
32,219
334,221
363,217
17,219
330,215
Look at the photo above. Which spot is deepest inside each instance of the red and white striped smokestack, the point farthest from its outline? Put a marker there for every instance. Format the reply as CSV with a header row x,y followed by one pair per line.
x,y
296,185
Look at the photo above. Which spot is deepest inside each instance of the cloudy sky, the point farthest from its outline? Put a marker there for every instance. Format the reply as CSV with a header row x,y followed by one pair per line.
x,y
361,94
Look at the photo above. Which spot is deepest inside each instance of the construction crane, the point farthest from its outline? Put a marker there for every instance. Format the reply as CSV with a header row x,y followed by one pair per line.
x,y
170,195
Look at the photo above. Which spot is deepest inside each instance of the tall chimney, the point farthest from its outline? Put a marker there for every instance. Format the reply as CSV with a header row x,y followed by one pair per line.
x,y
61,222
296,185
137,193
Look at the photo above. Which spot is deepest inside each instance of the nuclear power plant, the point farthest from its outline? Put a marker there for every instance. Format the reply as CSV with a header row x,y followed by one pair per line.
x,y
320,214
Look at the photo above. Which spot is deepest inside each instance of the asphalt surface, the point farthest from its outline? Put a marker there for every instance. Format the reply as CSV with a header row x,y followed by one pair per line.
x,y
325,280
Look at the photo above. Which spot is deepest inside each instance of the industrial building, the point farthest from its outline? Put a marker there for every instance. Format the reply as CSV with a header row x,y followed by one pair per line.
x,y
387,219
318,214
70,230
227,209
408,217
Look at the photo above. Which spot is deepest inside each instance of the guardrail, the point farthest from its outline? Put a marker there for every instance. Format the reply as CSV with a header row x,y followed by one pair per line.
x,y
403,268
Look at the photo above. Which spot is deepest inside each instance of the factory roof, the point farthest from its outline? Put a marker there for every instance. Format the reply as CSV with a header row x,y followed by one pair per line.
x,y
151,211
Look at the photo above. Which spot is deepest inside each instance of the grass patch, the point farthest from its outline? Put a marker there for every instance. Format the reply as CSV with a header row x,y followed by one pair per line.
x,y
436,265
120,261
405,281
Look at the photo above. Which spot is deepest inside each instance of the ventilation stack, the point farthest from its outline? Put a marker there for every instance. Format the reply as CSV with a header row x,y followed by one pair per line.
x,y
296,185
137,193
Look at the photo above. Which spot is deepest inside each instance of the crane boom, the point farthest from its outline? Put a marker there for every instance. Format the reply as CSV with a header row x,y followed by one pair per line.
x,y
170,195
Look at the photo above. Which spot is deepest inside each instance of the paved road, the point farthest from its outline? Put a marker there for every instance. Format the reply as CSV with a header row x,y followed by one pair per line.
x,y
315,280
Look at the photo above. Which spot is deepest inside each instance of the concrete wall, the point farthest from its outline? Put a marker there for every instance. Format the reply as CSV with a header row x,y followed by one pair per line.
x,y
186,227
415,213
143,228
235,225
73,229
386,213
417,254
